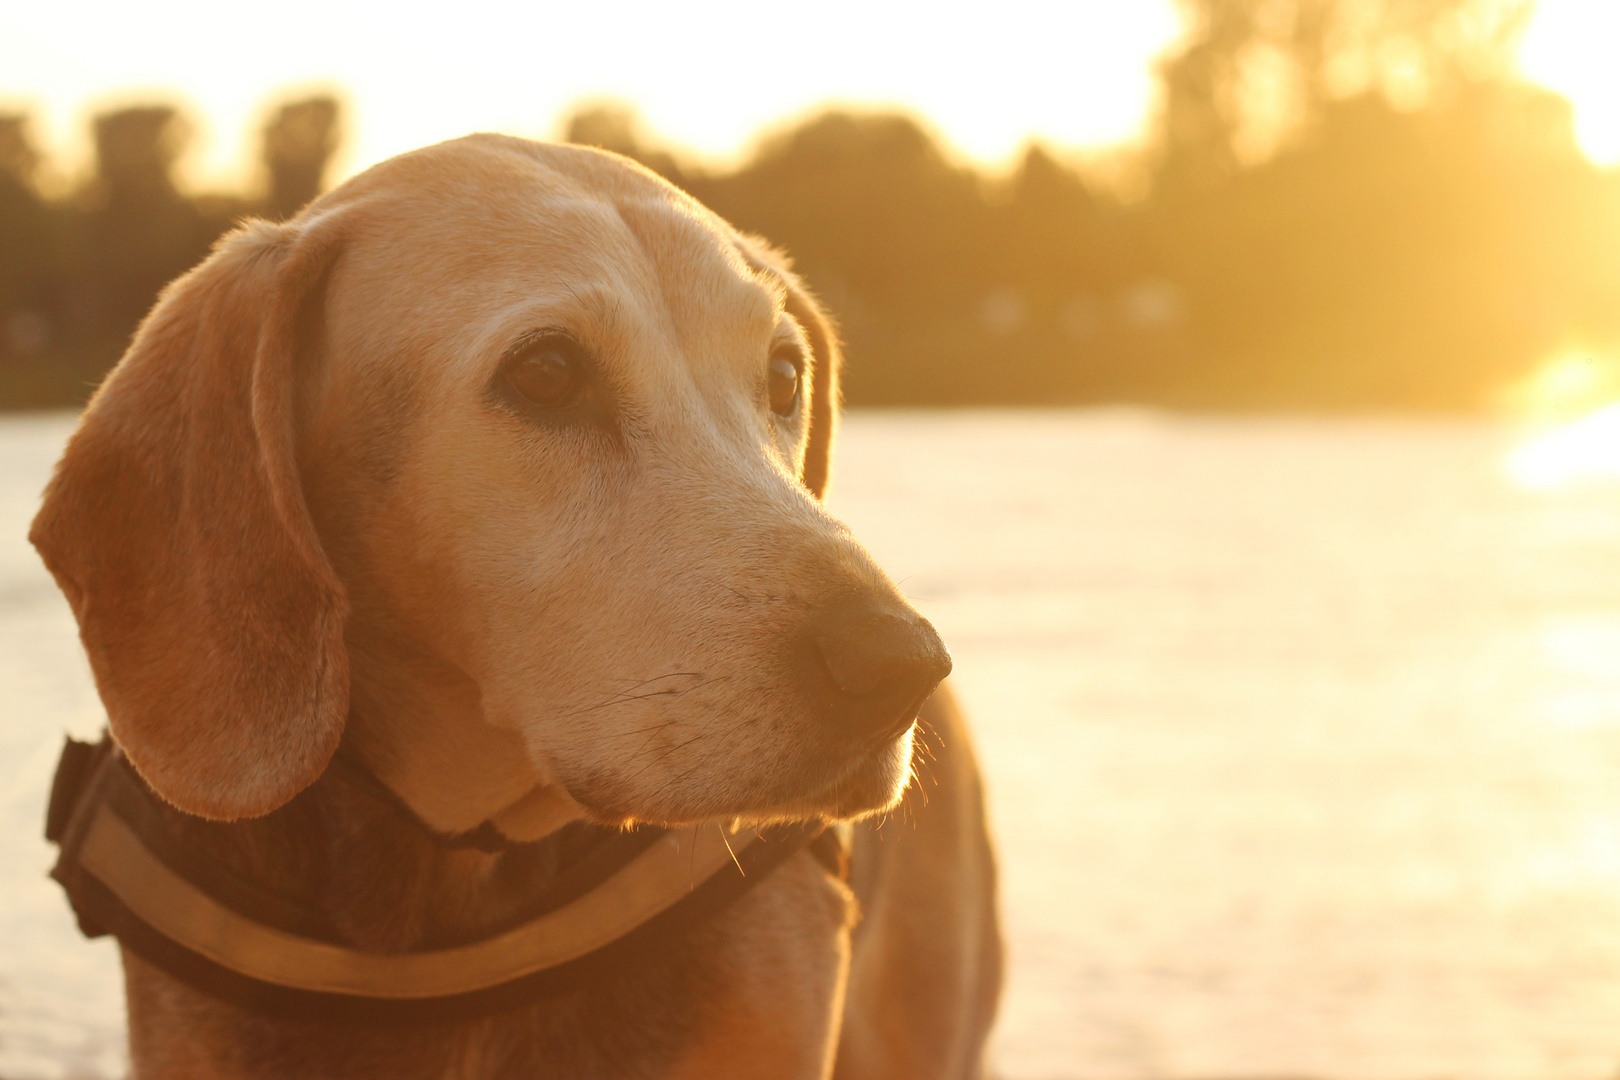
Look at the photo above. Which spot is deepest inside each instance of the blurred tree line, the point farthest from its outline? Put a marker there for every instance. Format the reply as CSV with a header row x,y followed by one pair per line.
x,y
78,273
1346,204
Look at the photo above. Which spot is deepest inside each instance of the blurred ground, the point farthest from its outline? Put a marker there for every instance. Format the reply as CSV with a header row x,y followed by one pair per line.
x,y
1302,740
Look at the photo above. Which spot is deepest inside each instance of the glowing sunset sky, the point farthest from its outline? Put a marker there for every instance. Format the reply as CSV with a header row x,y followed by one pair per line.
x,y
707,76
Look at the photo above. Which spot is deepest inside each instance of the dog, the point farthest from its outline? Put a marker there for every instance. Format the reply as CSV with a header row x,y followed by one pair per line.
x,y
497,470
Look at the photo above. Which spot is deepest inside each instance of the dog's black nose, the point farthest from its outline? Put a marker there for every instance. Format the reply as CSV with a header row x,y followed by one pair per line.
x,y
881,662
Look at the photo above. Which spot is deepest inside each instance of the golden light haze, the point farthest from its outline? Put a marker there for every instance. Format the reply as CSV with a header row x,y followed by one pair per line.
x,y
707,76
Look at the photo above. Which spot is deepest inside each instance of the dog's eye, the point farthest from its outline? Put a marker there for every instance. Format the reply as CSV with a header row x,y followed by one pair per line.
x,y
782,377
548,372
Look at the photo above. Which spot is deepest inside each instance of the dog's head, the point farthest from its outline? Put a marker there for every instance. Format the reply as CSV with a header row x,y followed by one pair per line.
x,y
507,457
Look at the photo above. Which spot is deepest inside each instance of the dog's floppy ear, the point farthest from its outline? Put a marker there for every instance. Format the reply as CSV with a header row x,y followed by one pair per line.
x,y
177,527
824,367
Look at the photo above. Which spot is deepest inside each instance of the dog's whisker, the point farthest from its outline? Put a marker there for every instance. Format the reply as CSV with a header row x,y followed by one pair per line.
x,y
665,754
626,697
727,841
661,678
639,731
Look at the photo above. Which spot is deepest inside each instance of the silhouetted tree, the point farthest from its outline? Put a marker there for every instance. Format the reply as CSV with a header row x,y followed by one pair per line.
x,y
1380,256
141,231
28,264
299,141
617,128
1253,71
18,158
77,274
1389,250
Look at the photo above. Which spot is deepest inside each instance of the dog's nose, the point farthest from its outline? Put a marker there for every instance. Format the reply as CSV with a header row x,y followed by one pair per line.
x,y
882,663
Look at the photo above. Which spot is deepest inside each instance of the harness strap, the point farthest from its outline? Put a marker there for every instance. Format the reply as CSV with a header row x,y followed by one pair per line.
x,y
122,878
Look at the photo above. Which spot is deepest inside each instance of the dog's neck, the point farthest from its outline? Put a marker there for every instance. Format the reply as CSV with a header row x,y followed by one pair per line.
x,y
384,884
417,724
358,857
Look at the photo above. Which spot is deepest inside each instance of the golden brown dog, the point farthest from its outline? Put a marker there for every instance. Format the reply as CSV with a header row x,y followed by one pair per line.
x,y
501,465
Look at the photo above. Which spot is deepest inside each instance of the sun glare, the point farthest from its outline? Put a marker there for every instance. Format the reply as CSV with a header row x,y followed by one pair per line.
x,y
1567,387
1583,450
1569,48
1579,395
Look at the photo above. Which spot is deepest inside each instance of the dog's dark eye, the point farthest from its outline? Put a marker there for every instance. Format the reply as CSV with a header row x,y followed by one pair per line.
x,y
782,377
548,372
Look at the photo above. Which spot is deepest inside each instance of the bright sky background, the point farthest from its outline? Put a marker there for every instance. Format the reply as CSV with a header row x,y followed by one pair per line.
x,y
707,76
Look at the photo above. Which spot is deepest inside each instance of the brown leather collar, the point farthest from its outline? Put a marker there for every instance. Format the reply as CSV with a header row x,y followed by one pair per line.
x,y
631,893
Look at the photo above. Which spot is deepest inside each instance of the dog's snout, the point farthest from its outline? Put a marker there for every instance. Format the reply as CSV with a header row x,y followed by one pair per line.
x,y
882,662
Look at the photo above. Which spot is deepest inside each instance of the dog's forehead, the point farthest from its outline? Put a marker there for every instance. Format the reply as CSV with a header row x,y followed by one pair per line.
x,y
707,283
489,225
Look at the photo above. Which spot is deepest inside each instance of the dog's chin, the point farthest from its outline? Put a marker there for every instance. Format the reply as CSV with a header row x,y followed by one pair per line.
x,y
851,786
867,783
870,784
